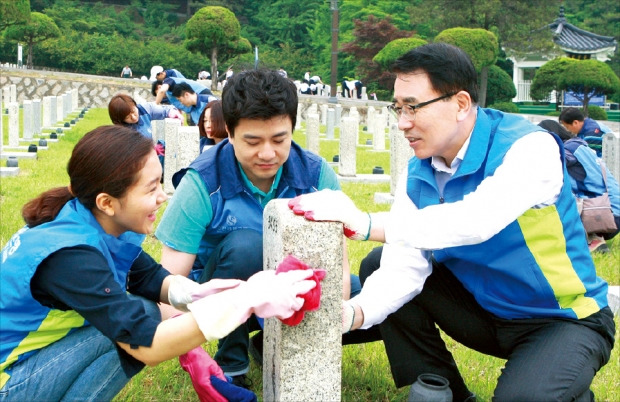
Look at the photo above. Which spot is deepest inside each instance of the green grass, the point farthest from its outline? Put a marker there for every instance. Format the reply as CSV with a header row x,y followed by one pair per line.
x,y
365,369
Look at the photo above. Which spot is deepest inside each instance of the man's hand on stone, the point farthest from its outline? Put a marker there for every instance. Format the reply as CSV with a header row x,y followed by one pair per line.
x,y
335,206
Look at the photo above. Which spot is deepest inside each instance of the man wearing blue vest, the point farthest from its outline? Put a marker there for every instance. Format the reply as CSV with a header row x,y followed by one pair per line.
x,y
194,103
483,241
583,127
165,90
213,224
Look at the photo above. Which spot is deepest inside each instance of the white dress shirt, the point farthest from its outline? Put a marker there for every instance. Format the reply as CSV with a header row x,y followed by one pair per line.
x,y
530,176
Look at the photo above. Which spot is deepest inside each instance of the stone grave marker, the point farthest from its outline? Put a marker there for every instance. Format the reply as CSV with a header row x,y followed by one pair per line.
x,y
27,120
312,132
348,147
331,122
304,362
36,116
13,124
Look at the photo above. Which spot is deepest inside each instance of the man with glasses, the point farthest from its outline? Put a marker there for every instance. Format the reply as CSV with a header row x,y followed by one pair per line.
x,y
483,241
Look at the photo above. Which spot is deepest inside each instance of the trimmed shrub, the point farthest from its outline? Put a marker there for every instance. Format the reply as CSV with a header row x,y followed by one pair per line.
x,y
507,107
597,113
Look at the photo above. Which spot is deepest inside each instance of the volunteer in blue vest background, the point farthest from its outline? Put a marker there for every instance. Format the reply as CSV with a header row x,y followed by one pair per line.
x,y
193,102
583,127
483,241
165,90
161,73
587,179
78,305
212,227
124,111
155,86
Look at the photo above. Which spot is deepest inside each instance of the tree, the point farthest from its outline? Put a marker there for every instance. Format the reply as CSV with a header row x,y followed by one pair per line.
x,y
589,78
39,29
370,37
14,12
521,25
396,48
481,46
547,79
215,31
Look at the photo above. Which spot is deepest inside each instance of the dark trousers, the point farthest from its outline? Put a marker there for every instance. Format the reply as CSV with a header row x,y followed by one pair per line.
x,y
238,256
546,358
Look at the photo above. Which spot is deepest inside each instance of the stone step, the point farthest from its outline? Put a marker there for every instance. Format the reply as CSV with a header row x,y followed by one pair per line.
x,y
8,171
18,155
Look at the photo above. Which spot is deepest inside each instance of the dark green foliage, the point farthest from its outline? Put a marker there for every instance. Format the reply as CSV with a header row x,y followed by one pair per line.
x,y
589,76
508,107
500,86
39,28
14,12
288,33
370,37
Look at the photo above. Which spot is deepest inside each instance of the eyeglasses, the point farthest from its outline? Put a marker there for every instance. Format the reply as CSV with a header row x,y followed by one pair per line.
x,y
409,110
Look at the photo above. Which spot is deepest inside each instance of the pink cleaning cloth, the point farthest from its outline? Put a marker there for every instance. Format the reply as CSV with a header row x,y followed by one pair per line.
x,y
312,299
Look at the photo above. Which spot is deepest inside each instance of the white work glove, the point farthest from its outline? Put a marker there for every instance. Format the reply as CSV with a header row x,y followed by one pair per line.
x,y
335,206
183,291
264,294
348,316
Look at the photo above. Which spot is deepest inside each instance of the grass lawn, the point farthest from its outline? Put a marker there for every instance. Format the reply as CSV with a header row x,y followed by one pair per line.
x,y
365,369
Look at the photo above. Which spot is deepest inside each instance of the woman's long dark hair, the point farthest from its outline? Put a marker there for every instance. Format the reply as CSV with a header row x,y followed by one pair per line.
x,y
106,160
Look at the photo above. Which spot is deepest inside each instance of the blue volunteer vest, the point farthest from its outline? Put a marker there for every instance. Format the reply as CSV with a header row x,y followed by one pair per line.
x,y
234,206
26,325
537,266
143,126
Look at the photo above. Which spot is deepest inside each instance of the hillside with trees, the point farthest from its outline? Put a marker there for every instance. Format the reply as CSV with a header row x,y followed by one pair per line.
x,y
100,37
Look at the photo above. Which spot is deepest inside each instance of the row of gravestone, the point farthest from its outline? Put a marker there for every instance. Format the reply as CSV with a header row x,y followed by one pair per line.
x,y
43,119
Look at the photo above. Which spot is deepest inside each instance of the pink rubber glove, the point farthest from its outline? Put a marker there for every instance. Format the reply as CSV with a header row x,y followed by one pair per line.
x,y
277,295
264,294
183,291
175,113
312,299
214,286
334,206
201,367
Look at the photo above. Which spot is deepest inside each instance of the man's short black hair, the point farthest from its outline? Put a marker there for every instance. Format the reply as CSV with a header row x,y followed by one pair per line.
x,y
258,94
180,88
448,67
570,114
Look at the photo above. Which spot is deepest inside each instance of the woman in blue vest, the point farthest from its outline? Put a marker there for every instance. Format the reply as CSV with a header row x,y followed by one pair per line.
x,y
124,111
78,305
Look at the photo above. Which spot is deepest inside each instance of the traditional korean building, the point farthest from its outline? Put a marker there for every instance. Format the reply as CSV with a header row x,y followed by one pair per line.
x,y
571,42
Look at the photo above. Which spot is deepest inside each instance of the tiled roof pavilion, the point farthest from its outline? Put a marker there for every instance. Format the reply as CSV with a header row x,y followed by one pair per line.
x,y
572,41
576,41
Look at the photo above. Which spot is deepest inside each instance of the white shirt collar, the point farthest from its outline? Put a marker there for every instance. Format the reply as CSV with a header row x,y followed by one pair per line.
x,y
438,163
